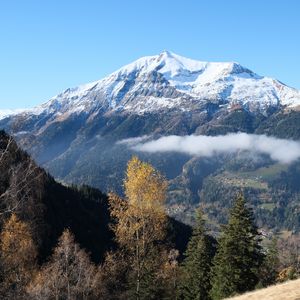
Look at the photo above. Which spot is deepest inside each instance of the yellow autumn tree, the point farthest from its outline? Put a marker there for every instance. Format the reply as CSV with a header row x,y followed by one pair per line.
x,y
69,274
141,222
18,255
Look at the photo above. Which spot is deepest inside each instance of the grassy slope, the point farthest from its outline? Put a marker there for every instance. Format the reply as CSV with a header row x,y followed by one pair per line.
x,y
286,291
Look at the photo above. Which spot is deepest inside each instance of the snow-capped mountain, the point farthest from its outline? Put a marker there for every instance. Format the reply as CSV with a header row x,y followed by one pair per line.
x,y
10,112
76,135
170,81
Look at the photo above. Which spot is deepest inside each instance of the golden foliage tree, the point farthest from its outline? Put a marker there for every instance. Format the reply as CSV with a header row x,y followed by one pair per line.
x,y
141,221
170,274
111,282
18,256
68,275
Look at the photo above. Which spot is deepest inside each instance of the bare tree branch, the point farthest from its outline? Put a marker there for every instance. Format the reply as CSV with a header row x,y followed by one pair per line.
x,y
5,151
20,177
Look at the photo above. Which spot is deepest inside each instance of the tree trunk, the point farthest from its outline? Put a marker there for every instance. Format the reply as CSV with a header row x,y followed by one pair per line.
x,y
138,266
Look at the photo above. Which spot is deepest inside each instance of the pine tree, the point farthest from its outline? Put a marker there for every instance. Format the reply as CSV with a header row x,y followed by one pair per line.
x,y
195,283
239,254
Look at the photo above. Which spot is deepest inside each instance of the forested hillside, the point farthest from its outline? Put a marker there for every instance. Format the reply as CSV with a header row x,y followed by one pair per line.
x,y
49,207
59,242
37,213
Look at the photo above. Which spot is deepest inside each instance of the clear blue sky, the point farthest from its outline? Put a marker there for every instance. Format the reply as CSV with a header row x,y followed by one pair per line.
x,y
48,46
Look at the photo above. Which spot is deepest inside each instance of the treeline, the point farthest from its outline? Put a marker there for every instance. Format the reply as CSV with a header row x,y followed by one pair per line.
x,y
145,263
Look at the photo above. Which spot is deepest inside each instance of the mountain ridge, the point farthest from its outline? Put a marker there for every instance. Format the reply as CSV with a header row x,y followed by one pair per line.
x,y
169,81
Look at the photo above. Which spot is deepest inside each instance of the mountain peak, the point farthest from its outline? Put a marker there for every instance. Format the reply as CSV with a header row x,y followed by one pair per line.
x,y
173,65
166,53
166,62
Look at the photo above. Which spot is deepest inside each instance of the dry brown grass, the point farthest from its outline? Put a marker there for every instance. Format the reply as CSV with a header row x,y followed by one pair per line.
x,y
289,290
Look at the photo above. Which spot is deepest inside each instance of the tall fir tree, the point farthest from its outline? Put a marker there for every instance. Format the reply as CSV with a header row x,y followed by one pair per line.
x,y
239,256
196,267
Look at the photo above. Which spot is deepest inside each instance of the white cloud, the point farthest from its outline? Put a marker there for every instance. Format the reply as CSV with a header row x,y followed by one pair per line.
x,y
134,141
284,151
